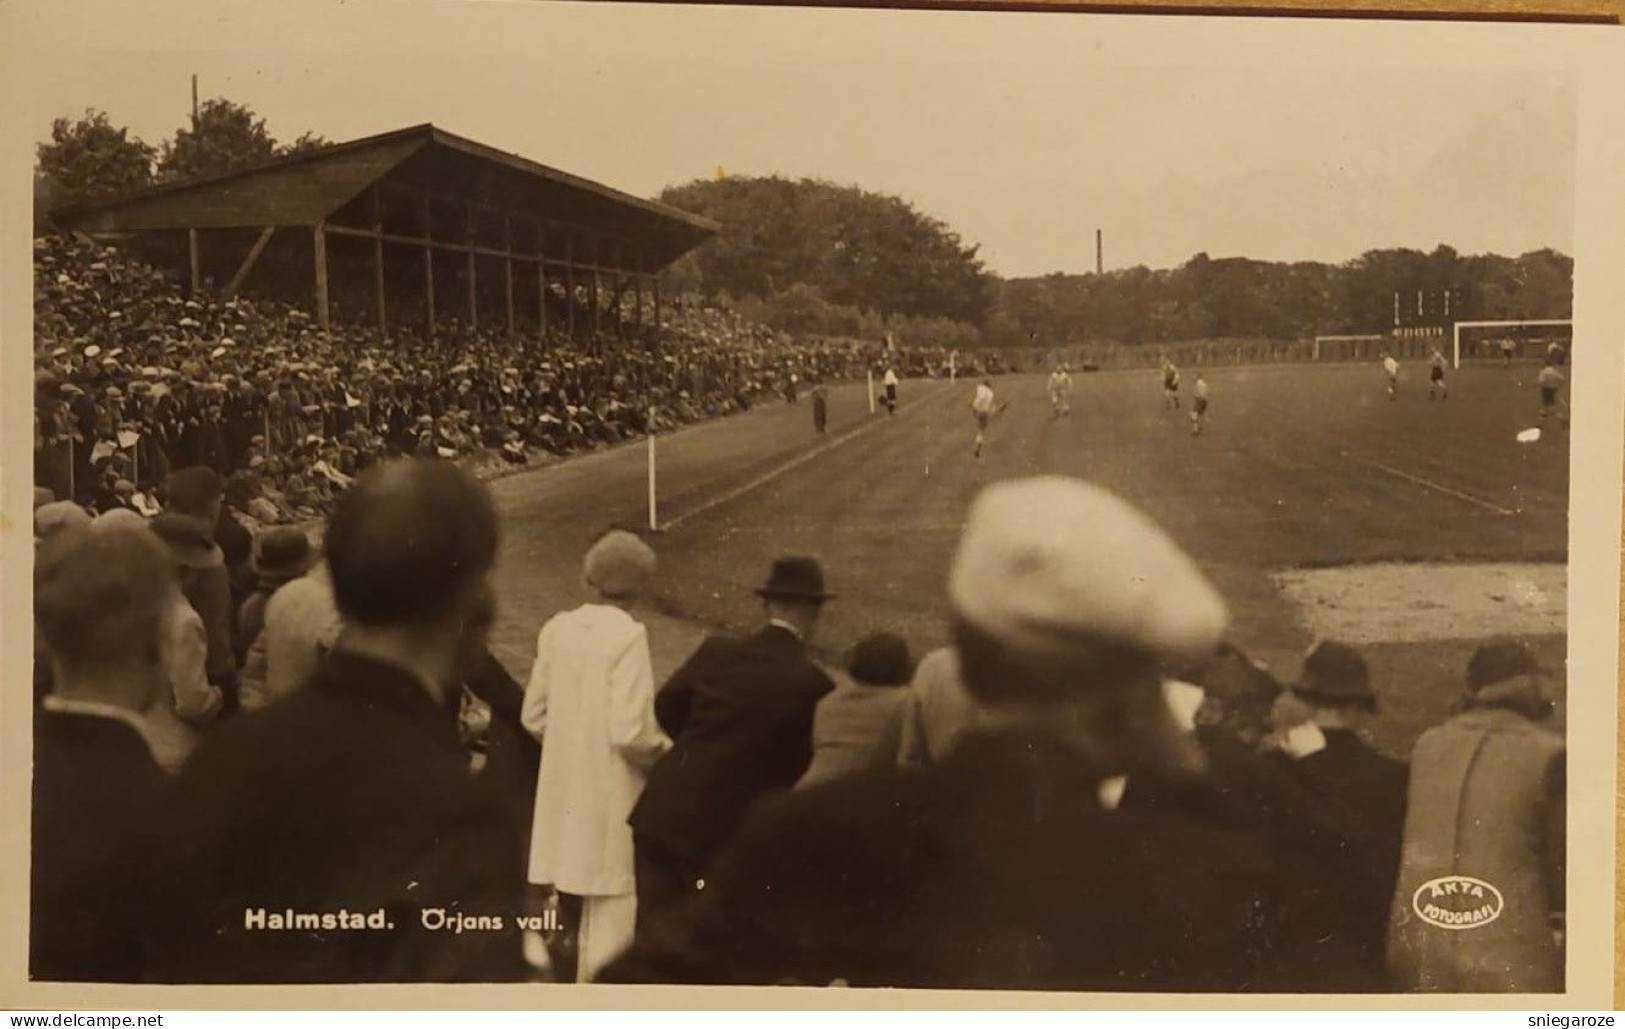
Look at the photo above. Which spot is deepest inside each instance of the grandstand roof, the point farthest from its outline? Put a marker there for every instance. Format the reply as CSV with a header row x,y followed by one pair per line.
x,y
314,186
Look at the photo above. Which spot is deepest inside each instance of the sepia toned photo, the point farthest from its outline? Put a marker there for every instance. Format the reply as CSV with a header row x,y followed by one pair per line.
x,y
546,494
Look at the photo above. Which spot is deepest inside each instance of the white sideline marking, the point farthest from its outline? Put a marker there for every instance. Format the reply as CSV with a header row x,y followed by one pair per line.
x,y
1430,484
795,462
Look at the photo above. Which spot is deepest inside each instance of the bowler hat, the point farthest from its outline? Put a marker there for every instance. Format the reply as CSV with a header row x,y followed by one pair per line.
x,y
795,578
1335,674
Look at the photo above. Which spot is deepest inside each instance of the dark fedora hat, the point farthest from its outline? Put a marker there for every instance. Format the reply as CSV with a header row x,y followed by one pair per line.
x,y
1335,674
282,553
795,578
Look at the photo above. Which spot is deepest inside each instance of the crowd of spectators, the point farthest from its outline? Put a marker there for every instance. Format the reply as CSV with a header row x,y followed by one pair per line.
x,y
133,379
1091,788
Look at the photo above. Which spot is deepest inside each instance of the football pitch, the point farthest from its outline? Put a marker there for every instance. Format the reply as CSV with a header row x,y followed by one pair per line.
x,y
1316,505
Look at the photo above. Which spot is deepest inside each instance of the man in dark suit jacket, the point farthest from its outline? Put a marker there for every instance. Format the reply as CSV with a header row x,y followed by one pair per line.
x,y
354,797
740,716
100,600
1361,788
1014,862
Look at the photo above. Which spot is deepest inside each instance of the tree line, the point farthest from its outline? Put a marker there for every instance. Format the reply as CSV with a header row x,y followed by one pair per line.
x,y
816,258
1208,298
89,158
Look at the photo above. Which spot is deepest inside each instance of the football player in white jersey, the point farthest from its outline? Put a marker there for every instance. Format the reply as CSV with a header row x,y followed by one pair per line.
x,y
982,407
1060,391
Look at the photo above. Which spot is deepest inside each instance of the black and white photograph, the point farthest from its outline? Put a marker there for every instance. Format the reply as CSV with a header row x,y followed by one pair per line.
x,y
549,494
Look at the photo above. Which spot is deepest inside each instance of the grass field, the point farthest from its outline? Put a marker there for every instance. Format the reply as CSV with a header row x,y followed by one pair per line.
x,y
1298,467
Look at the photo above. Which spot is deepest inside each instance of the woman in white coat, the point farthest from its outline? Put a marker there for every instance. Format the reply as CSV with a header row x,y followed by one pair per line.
x,y
590,703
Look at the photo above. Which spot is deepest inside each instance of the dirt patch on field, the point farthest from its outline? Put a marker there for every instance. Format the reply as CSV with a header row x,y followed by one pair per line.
x,y
1407,603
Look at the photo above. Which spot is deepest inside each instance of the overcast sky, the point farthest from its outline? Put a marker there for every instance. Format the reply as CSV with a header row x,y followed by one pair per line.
x,y
1023,132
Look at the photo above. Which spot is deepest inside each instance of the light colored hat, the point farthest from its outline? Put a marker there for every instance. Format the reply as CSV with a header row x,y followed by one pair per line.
x,y
618,564
58,516
1052,564
118,517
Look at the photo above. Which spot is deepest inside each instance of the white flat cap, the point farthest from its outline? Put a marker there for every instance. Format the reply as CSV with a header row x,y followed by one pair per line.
x,y
1053,563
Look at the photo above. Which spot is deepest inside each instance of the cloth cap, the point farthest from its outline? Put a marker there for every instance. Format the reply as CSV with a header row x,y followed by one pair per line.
x,y
618,564
1054,564
43,495
58,516
881,659
118,517
1335,674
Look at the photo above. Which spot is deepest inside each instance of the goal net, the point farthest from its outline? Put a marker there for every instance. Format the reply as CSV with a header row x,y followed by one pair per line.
x,y
1510,340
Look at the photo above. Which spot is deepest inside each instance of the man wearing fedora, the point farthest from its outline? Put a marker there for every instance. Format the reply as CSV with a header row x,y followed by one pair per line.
x,y
1358,785
740,715
1013,862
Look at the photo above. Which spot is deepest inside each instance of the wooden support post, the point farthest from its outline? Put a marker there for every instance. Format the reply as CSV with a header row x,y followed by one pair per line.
x,y
507,272
473,283
596,324
570,284
254,253
378,262
620,291
541,283
323,314
192,252
428,266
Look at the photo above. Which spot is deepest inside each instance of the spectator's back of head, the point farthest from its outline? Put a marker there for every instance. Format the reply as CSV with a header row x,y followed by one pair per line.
x,y
196,491
881,659
408,541
101,603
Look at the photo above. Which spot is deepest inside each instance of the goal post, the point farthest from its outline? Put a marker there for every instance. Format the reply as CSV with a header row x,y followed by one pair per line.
x,y
1535,323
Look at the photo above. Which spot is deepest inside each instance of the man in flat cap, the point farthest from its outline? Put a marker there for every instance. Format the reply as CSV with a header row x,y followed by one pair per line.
x,y
740,714
1011,863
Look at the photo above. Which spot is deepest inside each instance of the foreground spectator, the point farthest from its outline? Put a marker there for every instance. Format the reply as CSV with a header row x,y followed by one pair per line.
x,y
740,715
1348,775
101,600
198,493
280,556
937,711
193,702
859,726
1487,802
1005,865
301,625
361,791
591,704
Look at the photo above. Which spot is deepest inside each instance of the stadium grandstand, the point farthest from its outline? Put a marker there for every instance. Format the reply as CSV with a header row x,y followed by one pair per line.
x,y
413,292
432,222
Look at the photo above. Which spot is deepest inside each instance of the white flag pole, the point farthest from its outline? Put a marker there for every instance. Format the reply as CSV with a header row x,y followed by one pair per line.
x,y
870,374
654,518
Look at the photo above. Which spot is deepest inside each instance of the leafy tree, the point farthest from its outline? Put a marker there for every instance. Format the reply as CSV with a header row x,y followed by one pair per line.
x,y
304,144
92,159
226,137
854,248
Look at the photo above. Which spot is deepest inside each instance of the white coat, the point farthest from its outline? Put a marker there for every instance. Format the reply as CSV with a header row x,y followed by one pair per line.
x,y
590,702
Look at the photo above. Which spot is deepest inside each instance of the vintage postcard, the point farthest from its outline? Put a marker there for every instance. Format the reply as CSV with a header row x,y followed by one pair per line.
x,y
543,503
